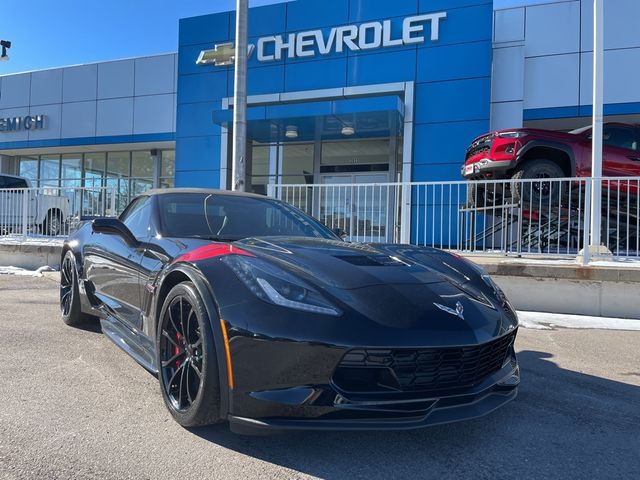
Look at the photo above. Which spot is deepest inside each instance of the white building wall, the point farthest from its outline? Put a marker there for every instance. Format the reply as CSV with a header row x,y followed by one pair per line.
x,y
543,57
124,97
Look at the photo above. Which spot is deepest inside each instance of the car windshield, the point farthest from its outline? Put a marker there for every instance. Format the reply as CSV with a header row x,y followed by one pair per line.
x,y
234,217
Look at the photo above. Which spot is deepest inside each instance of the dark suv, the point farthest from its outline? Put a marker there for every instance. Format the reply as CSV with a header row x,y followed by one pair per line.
x,y
527,153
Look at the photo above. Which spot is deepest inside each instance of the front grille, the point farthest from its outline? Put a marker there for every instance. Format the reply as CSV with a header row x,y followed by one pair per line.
x,y
421,370
477,151
482,145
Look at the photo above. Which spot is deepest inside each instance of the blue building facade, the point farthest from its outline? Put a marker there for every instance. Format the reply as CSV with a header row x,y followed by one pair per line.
x,y
339,91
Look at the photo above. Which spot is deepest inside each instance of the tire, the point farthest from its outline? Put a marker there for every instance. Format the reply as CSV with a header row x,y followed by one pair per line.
x,y
536,192
475,195
70,308
52,225
186,359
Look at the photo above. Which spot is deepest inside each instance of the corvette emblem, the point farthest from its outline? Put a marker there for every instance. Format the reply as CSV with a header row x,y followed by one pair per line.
x,y
458,312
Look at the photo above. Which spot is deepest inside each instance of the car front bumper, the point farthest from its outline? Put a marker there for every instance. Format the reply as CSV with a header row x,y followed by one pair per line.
x,y
428,412
311,400
487,169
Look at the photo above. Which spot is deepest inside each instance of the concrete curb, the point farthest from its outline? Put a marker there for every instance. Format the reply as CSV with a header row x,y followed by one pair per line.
x,y
30,256
560,271
555,287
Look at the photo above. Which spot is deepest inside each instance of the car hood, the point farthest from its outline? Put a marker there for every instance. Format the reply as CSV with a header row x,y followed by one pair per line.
x,y
343,265
400,286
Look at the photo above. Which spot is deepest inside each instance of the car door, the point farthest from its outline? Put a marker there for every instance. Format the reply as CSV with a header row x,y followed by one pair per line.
x,y
113,266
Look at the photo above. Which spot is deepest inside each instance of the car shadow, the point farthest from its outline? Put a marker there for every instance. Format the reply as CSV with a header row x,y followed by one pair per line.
x,y
562,423
90,326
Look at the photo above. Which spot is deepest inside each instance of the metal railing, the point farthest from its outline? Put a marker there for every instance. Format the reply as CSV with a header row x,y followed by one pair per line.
x,y
52,211
365,212
549,217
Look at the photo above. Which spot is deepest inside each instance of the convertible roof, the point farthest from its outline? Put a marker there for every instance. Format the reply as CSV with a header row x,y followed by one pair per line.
x,y
208,191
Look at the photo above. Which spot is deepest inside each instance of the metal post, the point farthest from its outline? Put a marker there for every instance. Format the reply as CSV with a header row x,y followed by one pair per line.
x,y
588,195
113,203
240,97
26,197
598,93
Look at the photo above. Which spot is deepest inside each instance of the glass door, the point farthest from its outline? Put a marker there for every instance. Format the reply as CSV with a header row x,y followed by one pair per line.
x,y
355,204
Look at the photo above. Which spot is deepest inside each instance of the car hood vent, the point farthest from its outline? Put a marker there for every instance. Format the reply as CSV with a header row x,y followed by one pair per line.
x,y
372,260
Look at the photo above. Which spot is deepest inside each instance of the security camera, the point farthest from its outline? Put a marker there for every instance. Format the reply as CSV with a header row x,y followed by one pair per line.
x,y
4,44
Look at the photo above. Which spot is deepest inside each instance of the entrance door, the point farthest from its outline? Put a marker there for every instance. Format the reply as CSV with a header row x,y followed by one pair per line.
x,y
354,204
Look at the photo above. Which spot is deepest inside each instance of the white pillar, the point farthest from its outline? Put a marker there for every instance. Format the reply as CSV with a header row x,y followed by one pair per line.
x,y
598,94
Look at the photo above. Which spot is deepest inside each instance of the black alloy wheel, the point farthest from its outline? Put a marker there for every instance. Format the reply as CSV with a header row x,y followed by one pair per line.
x,y
69,295
537,193
187,363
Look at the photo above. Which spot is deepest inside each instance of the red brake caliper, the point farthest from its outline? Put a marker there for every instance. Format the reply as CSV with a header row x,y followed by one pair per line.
x,y
176,349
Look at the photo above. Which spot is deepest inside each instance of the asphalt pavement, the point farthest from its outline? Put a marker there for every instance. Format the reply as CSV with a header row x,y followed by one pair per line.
x,y
75,406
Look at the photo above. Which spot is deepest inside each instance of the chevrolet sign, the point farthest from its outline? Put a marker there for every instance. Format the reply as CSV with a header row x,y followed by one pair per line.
x,y
366,36
17,124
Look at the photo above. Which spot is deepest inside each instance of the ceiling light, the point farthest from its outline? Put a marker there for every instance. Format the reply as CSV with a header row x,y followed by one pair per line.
x,y
292,132
348,131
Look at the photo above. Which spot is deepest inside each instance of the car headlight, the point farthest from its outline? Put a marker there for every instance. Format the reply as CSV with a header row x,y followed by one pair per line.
x,y
491,284
274,285
511,134
499,294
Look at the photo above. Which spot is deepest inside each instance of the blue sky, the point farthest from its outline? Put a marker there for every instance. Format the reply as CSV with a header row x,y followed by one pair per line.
x,y
53,33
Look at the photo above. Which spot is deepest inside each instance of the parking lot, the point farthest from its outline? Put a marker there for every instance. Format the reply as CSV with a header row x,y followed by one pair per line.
x,y
75,406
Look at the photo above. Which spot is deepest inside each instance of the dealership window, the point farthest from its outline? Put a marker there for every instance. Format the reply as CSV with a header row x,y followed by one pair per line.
x,y
259,178
118,175
94,167
290,163
29,169
94,199
168,168
297,168
49,170
355,155
142,172
71,170
130,173
297,163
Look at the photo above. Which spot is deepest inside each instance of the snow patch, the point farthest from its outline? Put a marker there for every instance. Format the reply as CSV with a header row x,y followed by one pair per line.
x,y
25,273
621,262
551,321
38,241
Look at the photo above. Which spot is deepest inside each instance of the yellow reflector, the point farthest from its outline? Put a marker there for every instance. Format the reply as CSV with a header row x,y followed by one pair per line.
x,y
227,352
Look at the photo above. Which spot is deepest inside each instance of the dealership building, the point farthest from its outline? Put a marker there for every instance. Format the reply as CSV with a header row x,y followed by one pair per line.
x,y
340,91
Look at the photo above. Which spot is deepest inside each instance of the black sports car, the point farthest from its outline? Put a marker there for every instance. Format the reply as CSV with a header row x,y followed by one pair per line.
x,y
253,312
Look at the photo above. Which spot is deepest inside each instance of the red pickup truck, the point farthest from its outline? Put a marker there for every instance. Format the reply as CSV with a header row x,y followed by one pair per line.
x,y
527,153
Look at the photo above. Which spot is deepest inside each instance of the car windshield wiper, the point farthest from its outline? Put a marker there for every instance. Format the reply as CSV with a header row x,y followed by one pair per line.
x,y
215,238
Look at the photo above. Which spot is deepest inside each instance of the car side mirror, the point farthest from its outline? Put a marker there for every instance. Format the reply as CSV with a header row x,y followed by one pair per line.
x,y
340,232
113,226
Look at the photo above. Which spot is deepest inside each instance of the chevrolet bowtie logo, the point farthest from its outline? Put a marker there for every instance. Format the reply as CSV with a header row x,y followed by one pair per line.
x,y
221,55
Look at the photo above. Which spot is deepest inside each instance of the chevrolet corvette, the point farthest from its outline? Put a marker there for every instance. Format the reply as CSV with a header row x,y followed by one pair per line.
x,y
252,312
